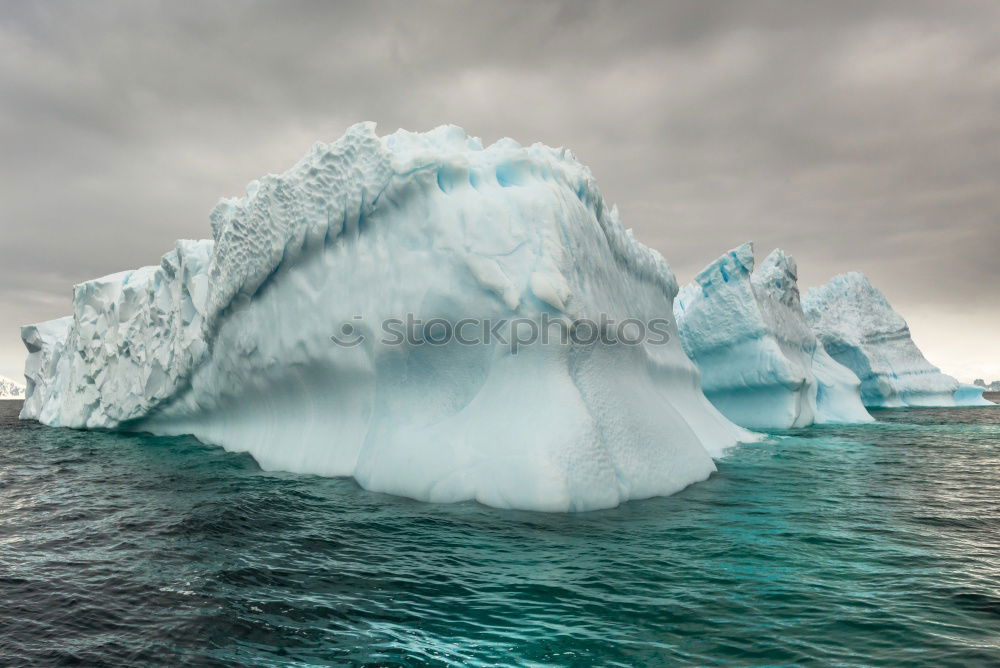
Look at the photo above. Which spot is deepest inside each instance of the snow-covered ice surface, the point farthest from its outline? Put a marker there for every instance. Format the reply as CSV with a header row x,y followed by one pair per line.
x,y
860,330
229,339
761,364
10,388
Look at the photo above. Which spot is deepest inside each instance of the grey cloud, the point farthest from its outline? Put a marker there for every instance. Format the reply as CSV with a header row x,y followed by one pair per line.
x,y
856,135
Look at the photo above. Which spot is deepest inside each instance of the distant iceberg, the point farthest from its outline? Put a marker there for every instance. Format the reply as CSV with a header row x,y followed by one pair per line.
x,y
230,339
971,395
860,330
761,364
10,388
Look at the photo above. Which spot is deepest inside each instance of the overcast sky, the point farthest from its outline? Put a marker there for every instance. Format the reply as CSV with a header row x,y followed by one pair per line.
x,y
853,135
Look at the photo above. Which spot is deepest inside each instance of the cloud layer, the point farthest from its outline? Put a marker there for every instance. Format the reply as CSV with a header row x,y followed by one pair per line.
x,y
853,135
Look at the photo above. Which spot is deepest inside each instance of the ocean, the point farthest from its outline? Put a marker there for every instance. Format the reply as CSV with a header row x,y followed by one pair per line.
x,y
862,545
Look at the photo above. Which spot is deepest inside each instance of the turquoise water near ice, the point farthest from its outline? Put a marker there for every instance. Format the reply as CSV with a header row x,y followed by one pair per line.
x,y
867,545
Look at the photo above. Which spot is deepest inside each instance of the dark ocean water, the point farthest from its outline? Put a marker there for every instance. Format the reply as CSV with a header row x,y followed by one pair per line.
x,y
863,545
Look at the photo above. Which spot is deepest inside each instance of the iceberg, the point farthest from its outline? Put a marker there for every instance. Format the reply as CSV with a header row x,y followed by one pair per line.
x,y
761,364
10,388
971,395
861,330
370,230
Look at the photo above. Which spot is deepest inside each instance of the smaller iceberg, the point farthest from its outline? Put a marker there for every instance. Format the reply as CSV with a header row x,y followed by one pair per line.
x,y
859,329
10,388
971,395
761,364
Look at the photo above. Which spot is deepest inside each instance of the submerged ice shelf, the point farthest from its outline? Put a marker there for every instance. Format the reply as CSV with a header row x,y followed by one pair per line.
x,y
761,364
374,228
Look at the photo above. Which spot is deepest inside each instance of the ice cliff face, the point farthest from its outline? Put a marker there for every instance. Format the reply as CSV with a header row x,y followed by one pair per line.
x,y
369,229
46,368
128,346
761,364
860,330
10,388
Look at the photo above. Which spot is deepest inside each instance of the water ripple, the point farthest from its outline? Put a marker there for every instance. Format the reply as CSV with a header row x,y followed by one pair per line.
x,y
877,544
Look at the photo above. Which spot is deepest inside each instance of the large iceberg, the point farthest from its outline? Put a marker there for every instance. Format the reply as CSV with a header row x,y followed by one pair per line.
x,y
761,364
230,339
861,330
